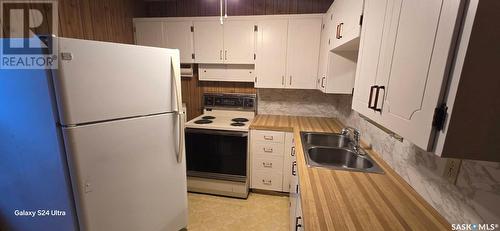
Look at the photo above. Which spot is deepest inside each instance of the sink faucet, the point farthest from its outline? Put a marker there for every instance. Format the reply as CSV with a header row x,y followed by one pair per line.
x,y
356,134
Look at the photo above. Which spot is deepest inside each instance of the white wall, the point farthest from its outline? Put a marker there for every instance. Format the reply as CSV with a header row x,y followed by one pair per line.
x,y
474,199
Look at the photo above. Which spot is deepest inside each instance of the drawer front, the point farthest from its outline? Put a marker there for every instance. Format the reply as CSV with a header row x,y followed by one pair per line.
x,y
267,148
267,163
268,136
267,180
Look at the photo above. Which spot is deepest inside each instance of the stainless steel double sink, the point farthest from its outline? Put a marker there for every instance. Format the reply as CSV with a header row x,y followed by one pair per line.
x,y
336,151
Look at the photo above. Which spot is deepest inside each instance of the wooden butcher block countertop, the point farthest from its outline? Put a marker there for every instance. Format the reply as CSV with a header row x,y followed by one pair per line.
x,y
346,200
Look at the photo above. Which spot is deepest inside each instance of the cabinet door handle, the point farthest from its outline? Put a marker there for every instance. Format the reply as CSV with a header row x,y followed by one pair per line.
x,y
269,137
371,95
225,55
297,225
340,30
267,164
376,98
293,151
267,182
268,149
323,81
337,32
290,80
220,54
294,164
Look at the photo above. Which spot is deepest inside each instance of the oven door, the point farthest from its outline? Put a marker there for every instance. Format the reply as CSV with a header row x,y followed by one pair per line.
x,y
217,154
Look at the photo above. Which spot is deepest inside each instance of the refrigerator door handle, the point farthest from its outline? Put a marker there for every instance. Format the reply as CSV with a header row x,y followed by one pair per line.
x,y
180,114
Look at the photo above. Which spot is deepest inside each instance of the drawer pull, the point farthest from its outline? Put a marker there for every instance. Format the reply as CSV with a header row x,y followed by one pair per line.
x,y
297,225
269,137
267,164
268,149
266,182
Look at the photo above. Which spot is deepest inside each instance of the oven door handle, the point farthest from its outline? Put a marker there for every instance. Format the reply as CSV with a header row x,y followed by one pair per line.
x,y
216,132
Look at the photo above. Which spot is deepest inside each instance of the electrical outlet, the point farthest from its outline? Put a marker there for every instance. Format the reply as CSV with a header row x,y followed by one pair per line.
x,y
451,170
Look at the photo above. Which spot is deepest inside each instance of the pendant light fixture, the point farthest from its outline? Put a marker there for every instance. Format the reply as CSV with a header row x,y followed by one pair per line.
x,y
221,19
225,10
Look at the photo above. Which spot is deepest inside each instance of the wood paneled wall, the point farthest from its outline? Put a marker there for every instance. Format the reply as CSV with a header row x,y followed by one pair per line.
x,y
103,20
192,88
183,8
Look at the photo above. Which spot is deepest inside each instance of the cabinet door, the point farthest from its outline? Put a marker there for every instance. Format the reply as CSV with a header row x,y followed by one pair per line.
x,y
341,72
294,198
149,34
178,35
330,22
239,42
303,52
323,53
347,16
299,219
289,167
372,36
270,64
208,41
418,68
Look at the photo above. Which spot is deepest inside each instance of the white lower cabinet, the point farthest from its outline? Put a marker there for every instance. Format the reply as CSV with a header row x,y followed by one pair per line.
x,y
274,168
271,160
296,218
267,180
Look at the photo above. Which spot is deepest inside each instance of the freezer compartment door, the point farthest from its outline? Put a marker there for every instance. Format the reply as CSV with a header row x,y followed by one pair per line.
x,y
126,176
99,81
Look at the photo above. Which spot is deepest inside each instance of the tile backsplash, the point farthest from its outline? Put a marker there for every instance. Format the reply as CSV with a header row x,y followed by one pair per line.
x,y
475,198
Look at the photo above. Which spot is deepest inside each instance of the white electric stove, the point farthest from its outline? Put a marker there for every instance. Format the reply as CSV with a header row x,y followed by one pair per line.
x,y
217,145
227,120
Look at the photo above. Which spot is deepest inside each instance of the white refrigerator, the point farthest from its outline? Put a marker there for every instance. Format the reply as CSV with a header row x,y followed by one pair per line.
x,y
121,116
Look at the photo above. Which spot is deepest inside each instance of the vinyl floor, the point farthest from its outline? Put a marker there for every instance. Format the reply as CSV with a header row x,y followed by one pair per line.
x,y
259,212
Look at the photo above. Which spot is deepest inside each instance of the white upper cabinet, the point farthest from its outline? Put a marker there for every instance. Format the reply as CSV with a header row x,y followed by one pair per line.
x,y
323,52
346,21
418,69
149,33
239,41
337,69
178,35
173,34
403,64
270,64
303,52
208,41
372,35
230,43
341,71
288,52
